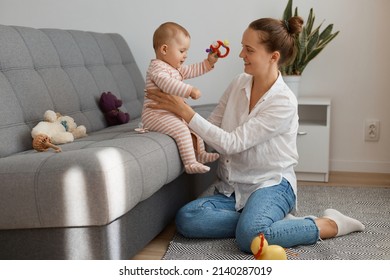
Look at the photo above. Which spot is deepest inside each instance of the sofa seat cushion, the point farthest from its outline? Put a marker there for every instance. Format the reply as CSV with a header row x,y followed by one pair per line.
x,y
93,181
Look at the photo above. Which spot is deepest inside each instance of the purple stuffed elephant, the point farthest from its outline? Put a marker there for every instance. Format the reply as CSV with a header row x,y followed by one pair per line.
x,y
109,105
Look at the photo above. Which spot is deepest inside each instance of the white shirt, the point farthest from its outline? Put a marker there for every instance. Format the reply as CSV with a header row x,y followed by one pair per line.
x,y
258,148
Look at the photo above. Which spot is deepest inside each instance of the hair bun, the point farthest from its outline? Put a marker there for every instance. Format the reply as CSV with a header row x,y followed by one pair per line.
x,y
294,25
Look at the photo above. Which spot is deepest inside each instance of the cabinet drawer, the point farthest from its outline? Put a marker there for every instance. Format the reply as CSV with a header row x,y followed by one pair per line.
x,y
313,148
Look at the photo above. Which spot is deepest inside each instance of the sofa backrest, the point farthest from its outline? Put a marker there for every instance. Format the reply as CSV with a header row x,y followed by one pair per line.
x,y
65,71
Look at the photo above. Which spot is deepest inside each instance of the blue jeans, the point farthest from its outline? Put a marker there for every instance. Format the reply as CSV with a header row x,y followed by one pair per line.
x,y
215,217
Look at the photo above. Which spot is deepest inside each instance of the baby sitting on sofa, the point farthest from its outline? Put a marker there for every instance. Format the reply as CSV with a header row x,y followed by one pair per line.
x,y
171,43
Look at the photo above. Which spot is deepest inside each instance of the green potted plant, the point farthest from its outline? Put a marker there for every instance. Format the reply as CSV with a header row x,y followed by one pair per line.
x,y
310,43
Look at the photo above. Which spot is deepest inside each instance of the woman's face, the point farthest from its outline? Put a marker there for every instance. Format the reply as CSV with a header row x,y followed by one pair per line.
x,y
257,60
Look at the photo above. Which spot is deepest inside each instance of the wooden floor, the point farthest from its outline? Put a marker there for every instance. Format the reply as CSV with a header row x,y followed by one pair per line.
x,y
156,249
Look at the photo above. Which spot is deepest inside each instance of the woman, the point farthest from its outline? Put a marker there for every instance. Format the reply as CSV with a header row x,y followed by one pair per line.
x,y
254,129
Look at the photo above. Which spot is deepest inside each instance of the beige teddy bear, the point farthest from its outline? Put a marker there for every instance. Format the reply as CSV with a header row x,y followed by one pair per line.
x,y
58,129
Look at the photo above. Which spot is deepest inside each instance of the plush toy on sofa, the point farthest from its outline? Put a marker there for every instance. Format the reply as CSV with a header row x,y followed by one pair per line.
x,y
109,105
55,129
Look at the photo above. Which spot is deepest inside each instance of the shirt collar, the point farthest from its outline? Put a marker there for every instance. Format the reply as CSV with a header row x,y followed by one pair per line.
x,y
276,87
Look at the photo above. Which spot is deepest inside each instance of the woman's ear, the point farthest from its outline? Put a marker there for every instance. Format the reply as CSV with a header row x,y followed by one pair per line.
x,y
275,56
163,49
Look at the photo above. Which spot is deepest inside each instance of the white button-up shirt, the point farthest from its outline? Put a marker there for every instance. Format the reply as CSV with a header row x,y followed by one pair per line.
x,y
257,148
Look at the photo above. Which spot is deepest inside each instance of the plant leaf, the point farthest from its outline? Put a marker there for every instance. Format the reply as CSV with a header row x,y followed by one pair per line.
x,y
327,32
287,14
326,41
310,21
313,42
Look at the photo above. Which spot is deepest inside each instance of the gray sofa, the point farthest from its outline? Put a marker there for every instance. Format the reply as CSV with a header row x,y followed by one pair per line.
x,y
104,196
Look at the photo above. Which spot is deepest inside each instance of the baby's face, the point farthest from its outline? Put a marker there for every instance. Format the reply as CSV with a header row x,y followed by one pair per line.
x,y
177,50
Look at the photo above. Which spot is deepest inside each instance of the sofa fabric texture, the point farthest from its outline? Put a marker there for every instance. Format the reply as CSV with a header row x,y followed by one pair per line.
x,y
94,180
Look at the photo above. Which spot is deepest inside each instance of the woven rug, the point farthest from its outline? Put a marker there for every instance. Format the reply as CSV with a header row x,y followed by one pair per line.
x,y
370,205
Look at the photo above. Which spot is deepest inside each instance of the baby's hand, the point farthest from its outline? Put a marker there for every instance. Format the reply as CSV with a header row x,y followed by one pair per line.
x,y
195,93
212,58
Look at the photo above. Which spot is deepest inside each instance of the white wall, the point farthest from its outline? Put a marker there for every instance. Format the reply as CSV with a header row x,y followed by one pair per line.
x,y
352,70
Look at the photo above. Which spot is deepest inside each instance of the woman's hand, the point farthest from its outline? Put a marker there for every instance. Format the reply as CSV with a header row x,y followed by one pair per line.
x,y
171,103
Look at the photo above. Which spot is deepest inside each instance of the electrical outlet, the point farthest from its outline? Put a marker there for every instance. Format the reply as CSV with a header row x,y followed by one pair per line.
x,y
371,130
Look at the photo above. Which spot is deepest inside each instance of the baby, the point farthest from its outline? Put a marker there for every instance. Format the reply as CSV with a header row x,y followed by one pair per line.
x,y
167,72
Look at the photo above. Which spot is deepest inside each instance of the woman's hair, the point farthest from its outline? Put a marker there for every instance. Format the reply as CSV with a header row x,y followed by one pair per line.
x,y
166,32
279,35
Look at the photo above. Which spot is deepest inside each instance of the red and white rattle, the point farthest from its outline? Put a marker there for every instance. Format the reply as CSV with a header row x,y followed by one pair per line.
x,y
214,48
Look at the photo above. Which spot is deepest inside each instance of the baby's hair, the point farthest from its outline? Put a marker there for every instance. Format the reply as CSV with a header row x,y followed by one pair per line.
x,y
279,35
166,32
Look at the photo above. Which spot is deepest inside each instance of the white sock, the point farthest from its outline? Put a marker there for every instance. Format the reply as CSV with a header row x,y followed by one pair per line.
x,y
344,223
290,216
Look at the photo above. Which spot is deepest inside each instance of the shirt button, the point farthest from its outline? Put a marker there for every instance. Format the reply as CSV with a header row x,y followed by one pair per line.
x,y
227,161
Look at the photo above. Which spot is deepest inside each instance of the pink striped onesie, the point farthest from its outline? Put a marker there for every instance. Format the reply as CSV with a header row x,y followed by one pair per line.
x,y
169,79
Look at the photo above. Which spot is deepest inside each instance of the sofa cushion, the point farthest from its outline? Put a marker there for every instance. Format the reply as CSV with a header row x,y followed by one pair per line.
x,y
92,182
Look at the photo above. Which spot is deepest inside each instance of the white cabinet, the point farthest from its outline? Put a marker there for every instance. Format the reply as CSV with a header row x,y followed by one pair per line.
x,y
313,139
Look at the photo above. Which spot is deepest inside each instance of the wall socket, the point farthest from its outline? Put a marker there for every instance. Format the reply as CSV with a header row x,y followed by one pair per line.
x,y
371,130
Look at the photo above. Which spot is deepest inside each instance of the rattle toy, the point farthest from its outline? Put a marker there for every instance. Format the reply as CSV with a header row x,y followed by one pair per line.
x,y
42,143
262,251
214,48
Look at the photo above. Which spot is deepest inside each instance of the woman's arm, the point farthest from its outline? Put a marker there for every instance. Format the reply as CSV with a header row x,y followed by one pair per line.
x,y
260,128
217,114
273,120
170,103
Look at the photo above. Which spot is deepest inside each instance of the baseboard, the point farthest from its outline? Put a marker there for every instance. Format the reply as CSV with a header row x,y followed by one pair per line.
x,y
360,166
309,176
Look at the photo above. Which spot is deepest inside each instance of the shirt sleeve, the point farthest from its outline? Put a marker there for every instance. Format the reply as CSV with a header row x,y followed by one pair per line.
x,y
218,112
273,120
